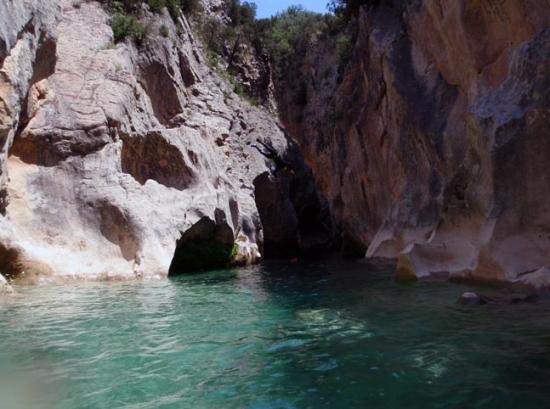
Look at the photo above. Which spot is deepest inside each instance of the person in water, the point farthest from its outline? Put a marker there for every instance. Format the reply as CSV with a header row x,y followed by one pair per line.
x,y
270,153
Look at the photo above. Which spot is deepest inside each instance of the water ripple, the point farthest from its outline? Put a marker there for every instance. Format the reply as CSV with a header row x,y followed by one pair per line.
x,y
326,335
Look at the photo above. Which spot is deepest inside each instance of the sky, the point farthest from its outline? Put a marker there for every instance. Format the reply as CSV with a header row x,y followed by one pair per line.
x,y
267,8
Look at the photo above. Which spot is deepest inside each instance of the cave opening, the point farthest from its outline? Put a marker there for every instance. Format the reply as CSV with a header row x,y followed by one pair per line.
x,y
207,245
295,221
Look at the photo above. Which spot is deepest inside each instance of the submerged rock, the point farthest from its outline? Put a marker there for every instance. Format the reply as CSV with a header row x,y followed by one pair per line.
x,y
470,298
503,297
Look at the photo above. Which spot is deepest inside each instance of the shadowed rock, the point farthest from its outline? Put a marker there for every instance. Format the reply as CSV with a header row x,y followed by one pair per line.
x,y
430,143
10,261
154,157
207,245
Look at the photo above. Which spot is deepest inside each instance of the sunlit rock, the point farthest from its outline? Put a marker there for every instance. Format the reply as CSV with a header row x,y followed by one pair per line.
x,y
431,143
109,151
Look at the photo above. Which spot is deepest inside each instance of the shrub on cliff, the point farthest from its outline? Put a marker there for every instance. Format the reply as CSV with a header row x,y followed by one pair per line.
x,y
186,6
349,7
132,6
125,21
164,31
287,36
125,25
241,14
225,40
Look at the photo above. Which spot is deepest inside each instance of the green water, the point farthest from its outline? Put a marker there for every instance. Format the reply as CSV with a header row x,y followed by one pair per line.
x,y
320,335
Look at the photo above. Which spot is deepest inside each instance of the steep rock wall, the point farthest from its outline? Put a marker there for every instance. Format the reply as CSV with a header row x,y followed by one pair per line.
x,y
111,152
432,144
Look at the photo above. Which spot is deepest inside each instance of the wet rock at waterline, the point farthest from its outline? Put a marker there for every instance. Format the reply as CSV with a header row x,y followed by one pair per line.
x,y
502,297
470,298
5,287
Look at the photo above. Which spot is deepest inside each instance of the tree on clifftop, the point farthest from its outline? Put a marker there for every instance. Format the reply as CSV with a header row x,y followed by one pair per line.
x,y
349,8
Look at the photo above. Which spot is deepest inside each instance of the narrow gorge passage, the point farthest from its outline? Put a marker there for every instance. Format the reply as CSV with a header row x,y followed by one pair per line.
x,y
230,204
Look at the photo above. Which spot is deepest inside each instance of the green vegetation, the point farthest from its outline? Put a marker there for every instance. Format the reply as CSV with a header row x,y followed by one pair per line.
x,y
241,91
241,14
287,36
349,8
174,6
126,23
128,26
163,31
283,39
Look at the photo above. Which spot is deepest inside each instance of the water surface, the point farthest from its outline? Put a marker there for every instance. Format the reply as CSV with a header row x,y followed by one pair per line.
x,y
329,334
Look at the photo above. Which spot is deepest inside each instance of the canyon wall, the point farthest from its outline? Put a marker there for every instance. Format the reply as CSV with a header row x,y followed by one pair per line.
x,y
432,143
429,144
110,153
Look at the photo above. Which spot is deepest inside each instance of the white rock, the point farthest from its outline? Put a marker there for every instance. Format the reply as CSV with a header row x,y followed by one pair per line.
x,y
118,157
5,287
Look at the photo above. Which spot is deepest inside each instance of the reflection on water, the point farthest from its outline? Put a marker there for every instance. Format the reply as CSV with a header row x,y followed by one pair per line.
x,y
320,335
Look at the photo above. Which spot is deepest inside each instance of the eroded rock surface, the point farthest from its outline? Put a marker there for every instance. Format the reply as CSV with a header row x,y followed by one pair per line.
x,y
5,287
432,144
110,152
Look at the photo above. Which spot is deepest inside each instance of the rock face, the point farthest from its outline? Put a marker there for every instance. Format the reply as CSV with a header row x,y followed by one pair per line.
x,y
109,153
5,287
432,144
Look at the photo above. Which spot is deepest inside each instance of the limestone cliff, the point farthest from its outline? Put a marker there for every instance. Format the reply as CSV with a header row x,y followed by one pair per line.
x,y
110,153
432,144
429,143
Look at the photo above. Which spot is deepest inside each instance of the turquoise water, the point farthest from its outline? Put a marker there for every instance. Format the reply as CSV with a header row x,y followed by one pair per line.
x,y
329,334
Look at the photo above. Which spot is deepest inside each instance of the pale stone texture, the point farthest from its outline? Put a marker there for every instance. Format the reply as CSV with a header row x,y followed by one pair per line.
x,y
110,152
433,149
5,287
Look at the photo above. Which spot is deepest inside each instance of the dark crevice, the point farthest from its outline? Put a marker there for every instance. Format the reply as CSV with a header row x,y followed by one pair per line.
x,y
154,157
43,67
10,264
207,245
162,91
295,217
116,226
4,51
